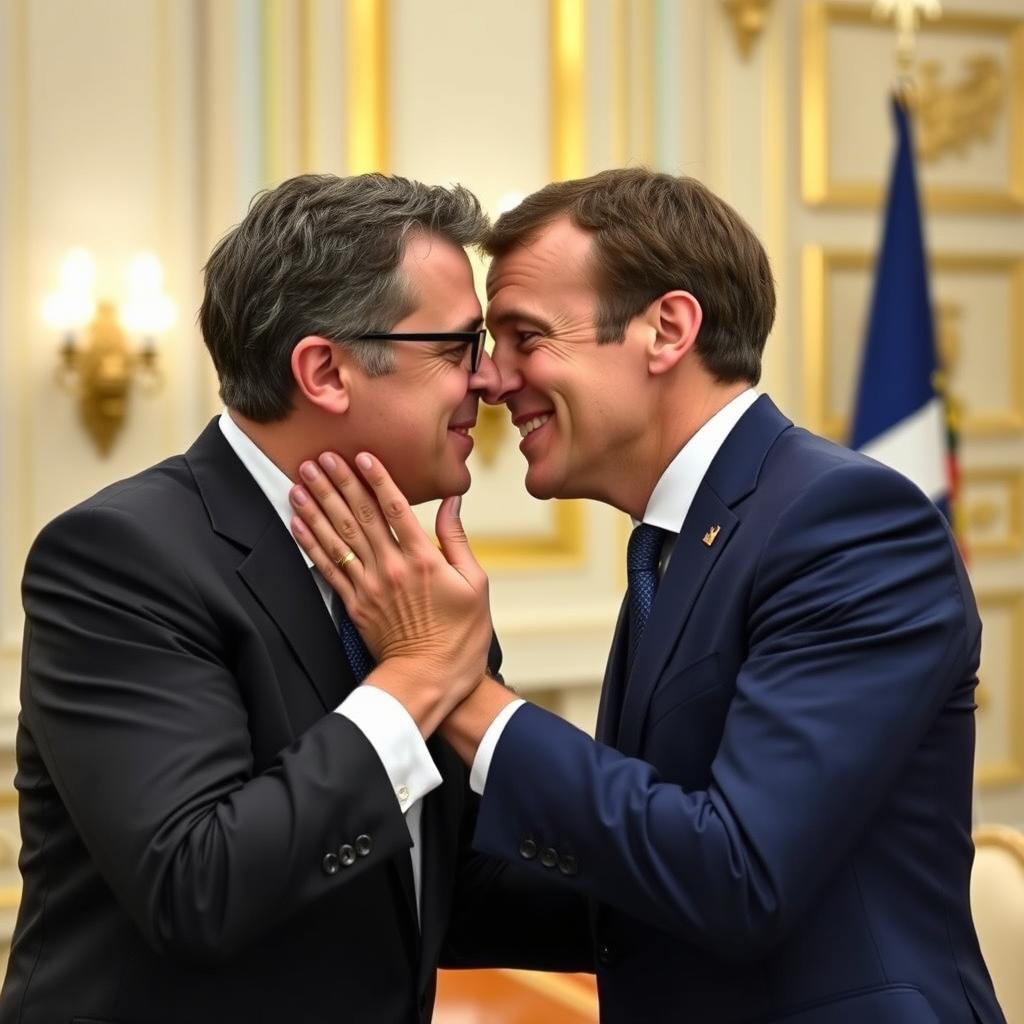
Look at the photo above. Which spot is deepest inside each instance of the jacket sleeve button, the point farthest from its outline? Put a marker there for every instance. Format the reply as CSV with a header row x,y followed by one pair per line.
x,y
528,849
346,855
364,844
549,858
330,864
567,864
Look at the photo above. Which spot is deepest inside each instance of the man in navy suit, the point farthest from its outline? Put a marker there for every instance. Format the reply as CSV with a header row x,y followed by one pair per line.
x,y
774,822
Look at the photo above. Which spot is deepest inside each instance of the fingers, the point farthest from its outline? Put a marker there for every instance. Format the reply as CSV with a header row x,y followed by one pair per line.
x,y
335,476
328,517
341,577
392,502
454,542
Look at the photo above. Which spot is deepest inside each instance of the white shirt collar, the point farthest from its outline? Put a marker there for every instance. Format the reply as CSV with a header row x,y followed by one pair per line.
x,y
270,480
674,492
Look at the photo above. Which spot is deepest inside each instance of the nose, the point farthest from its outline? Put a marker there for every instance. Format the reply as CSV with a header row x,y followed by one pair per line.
x,y
495,380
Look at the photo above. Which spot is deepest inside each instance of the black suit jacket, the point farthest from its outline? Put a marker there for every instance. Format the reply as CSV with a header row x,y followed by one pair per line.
x,y
185,788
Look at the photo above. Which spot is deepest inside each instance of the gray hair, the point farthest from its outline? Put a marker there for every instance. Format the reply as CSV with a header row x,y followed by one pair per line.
x,y
320,255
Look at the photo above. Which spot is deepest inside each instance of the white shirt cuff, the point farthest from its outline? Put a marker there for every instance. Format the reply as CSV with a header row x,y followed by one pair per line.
x,y
397,740
484,752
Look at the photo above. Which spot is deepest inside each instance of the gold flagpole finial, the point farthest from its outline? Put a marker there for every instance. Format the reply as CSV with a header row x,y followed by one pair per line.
x,y
905,14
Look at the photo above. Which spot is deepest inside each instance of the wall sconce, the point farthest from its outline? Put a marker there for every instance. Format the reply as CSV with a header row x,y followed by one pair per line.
x,y
97,364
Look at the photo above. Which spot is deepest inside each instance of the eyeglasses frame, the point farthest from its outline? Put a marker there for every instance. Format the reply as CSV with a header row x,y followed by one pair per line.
x,y
475,339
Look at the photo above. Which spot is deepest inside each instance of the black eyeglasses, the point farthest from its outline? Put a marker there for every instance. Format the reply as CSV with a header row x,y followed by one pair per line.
x,y
475,339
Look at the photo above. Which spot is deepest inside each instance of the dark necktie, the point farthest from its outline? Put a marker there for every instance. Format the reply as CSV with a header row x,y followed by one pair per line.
x,y
359,658
642,573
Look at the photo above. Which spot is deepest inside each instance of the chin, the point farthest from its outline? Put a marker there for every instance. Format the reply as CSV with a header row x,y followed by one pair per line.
x,y
538,487
445,485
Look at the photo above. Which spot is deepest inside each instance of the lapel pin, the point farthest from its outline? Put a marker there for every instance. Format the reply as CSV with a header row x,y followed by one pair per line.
x,y
711,535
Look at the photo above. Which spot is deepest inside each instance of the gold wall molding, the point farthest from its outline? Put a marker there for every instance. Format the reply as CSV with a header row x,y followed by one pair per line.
x,y
567,44
820,263
1007,770
818,183
978,512
369,90
748,18
16,518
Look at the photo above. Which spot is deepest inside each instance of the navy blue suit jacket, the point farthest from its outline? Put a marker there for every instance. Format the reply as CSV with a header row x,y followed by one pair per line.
x,y
775,824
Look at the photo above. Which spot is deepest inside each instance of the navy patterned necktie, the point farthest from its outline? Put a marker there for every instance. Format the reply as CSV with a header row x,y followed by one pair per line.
x,y
642,555
359,658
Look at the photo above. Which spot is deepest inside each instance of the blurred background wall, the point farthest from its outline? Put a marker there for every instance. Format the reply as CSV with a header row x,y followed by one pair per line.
x,y
147,125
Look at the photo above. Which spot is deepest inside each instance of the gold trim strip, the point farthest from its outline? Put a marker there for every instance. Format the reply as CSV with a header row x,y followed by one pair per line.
x,y
567,88
21,521
620,82
644,77
1010,770
369,99
273,29
309,106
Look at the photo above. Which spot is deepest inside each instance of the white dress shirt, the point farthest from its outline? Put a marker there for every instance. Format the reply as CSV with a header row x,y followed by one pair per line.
x,y
391,730
669,503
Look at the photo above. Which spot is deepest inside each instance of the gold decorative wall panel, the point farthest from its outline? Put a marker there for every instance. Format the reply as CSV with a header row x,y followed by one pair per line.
x,y
1001,714
988,381
993,512
971,85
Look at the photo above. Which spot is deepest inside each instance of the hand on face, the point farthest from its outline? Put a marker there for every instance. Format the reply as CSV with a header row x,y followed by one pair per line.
x,y
415,606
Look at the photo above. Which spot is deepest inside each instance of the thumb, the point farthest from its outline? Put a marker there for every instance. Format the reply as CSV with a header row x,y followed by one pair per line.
x,y
452,537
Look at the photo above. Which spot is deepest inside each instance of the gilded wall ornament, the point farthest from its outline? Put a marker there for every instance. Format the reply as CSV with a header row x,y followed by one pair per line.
x,y
950,116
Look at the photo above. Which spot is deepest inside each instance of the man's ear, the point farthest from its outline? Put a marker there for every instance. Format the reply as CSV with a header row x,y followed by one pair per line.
x,y
322,373
676,318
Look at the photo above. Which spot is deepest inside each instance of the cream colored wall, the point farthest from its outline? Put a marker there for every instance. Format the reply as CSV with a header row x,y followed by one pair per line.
x,y
149,123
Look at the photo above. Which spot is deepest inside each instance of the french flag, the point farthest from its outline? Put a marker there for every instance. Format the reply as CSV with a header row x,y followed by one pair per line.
x,y
900,416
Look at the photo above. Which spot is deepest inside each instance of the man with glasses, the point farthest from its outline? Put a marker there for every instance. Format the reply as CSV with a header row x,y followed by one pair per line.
x,y
218,822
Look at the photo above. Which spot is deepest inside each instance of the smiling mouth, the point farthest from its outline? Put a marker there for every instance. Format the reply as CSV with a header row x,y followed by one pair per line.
x,y
461,428
527,427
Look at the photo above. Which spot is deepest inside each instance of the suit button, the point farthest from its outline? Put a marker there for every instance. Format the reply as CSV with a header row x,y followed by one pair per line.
x,y
528,849
567,864
364,844
346,855
549,858
604,954
330,864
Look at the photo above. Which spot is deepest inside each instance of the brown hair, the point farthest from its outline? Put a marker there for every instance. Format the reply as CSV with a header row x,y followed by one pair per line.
x,y
654,233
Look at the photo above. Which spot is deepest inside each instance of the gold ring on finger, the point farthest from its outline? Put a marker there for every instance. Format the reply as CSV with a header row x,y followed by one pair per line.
x,y
346,559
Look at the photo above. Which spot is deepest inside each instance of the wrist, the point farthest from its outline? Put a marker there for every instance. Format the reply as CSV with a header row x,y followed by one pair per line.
x,y
418,688
464,728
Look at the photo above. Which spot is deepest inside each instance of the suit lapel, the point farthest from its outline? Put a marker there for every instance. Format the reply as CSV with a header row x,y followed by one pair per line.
x,y
273,568
278,578
704,535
